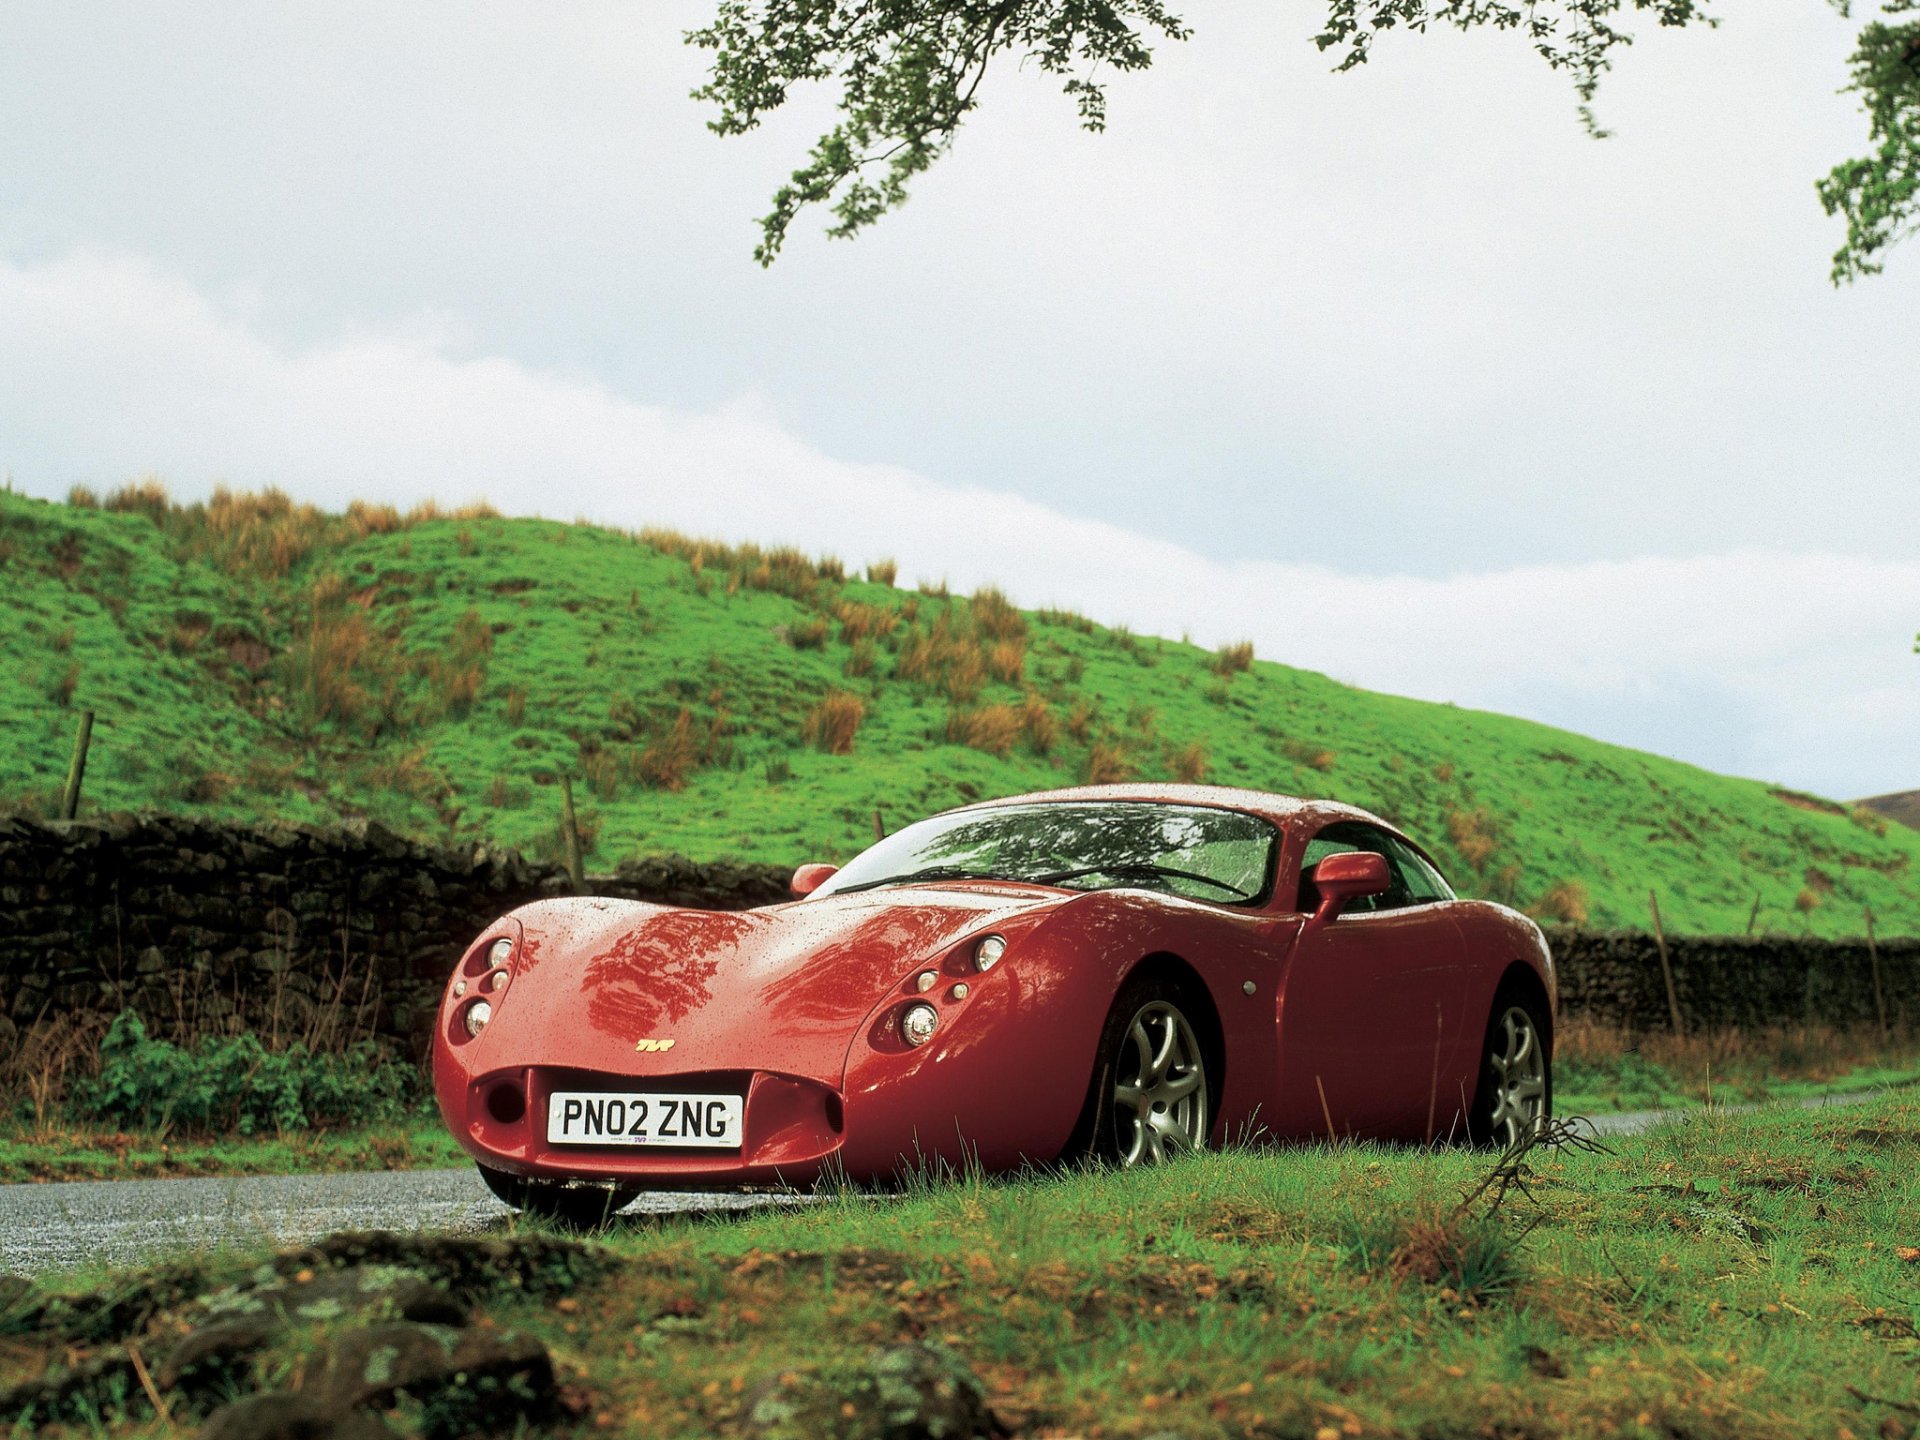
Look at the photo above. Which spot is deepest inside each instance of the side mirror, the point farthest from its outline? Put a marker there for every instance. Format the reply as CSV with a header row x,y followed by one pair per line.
x,y
1345,877
809,878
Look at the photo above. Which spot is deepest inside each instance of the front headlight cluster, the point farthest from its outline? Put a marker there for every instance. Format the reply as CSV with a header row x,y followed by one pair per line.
x,y
919,1020
499,956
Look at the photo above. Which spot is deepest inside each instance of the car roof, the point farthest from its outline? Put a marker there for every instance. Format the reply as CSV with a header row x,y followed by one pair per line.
x,y
1278,808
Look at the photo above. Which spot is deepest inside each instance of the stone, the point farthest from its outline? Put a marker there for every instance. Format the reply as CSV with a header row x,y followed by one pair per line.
x,y
917,1391
208,1357
384,1291
288,1416
475,1373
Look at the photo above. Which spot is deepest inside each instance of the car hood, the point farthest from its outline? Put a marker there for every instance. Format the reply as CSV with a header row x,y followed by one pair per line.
x,y
780,989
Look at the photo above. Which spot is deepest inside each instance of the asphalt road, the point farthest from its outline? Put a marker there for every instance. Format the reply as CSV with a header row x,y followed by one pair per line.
x,y
54,1227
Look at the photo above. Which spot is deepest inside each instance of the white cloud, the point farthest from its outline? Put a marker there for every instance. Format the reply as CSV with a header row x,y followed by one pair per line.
x,y
1794,667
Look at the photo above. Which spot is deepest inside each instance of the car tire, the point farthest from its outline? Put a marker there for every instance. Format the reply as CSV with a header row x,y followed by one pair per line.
x,y
1152,1092
1515,1094
577,1207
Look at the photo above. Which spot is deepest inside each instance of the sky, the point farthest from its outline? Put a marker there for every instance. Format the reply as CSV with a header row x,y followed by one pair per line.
x,y
1395,372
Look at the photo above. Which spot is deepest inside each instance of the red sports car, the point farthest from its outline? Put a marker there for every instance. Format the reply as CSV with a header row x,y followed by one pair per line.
x,y
1122,972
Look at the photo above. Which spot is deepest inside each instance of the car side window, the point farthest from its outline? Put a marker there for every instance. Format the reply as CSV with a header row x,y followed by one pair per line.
x,y
1414,881
1424,883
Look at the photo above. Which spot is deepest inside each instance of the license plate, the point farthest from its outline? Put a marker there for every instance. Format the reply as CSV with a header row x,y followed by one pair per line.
x,y
578,1117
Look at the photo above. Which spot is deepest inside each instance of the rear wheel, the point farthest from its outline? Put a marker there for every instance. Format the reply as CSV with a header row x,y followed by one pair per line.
x,y
1516,1074
1152,1095
578,1207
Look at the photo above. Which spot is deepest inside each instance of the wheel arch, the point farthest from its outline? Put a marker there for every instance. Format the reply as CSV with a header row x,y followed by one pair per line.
x,y
1166,966
1175,971
1521,979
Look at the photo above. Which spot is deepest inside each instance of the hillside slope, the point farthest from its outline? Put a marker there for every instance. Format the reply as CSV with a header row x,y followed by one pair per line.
x,y
439,673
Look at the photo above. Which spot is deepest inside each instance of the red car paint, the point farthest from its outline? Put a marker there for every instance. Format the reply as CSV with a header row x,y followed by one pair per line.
x,y
1370,1023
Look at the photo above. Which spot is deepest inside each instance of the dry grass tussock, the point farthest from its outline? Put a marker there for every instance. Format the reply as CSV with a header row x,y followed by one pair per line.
x,y
1233,659
945,656
832,724
263,533
1565,901
1473,835
860,621
995,617
782,571
1188,763
1108,764
996,729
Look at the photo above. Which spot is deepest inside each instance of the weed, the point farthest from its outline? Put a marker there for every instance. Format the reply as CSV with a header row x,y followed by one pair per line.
x,y
81,498
234,1084
777,769
862,659
883,572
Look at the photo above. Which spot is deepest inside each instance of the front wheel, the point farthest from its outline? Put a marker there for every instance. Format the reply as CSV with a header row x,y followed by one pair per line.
x,y
1153,1099
578,1207
1516,1075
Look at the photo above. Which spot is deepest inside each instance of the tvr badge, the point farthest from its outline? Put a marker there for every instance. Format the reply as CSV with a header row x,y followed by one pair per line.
x,y
652,1046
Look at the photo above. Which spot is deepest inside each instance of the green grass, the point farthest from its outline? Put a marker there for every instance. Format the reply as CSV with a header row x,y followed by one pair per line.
x,y
259,661
31,1153
1736,1276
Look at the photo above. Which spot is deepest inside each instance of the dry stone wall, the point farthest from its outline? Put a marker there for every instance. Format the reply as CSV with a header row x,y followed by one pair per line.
x,y
1722,980
332,935
290,931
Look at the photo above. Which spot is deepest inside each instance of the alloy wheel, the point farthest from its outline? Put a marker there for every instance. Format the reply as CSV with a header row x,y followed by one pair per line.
x,y
1517,1071
1160,1101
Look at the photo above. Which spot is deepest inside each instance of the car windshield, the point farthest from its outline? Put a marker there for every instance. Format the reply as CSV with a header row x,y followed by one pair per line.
x,y
1203,854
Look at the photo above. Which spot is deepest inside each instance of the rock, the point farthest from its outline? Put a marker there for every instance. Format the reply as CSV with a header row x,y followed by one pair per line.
x,y
478,1372
213,1354
371,1290
919,1391
282,1416
376,1365
99,1383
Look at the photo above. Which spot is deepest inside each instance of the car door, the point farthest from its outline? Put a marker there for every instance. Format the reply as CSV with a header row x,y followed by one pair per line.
x,y
1372,1003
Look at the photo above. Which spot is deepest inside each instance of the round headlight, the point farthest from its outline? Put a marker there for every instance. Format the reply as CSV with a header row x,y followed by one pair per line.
x,y
988,952
500,952
918,1024
478,1014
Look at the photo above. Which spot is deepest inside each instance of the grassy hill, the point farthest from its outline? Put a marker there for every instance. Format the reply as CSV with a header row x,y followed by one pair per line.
x,y
440,672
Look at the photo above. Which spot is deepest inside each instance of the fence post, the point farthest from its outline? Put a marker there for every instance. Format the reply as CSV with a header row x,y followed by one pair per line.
x,y
571,835
77,770
1666,967
1879,995
879,827
1753,914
